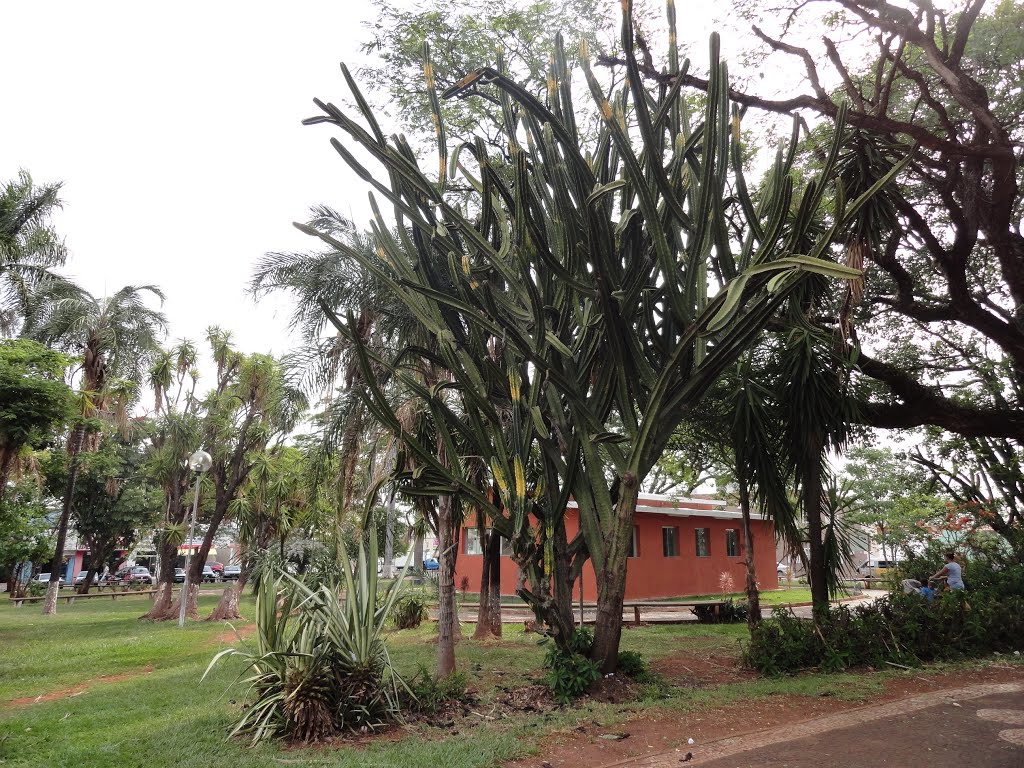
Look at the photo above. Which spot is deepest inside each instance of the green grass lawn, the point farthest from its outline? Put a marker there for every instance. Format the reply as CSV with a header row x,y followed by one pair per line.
x,y
160,714
769,597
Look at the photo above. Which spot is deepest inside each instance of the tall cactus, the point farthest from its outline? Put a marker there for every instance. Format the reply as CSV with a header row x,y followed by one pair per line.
x,y
582,299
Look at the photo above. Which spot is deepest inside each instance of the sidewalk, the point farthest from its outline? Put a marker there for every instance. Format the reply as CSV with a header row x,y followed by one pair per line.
x,y
519,613
980,726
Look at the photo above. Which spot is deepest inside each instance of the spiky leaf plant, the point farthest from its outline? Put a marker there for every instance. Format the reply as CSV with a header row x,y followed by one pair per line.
x,y
320,665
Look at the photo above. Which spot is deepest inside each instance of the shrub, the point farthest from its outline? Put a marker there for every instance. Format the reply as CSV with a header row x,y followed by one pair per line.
x,y
632,664
899,629
569,671
731,613
989,567
409,611
430,695
320,665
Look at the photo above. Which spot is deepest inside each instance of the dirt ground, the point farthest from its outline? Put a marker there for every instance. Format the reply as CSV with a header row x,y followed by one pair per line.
x,y
595,746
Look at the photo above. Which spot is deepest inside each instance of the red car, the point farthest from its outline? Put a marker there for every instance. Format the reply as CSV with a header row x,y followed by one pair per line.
x,y
217,568
137,574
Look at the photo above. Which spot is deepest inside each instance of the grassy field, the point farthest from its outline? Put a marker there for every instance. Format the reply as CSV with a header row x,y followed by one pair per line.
x,y
156,712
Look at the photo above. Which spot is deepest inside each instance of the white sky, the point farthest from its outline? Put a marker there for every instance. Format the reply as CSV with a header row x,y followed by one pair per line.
x,y
176,131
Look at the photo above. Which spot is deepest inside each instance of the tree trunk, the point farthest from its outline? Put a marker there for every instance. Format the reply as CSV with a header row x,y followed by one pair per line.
x,y
417,553
494,588
162,609
753,596
446,618
195,576
611,582
227,608
75,446
87,584
388,571
191,606
487,624
812,512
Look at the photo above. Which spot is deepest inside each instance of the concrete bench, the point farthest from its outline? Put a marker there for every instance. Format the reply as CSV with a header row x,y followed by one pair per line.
x,y
638,605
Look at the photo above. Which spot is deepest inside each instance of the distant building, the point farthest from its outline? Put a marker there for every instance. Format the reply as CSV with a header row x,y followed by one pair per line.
x,y
680,547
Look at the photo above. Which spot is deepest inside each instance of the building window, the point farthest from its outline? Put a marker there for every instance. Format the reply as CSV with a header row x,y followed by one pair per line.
x,y
703,538
670,541
732,542
634,544
472,541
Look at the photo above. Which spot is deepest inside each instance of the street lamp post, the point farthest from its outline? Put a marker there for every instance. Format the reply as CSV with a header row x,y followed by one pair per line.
x,y
199,462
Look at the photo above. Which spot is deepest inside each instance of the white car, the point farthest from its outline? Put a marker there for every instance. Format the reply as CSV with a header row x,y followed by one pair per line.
x,y
44,578
80,578
784,571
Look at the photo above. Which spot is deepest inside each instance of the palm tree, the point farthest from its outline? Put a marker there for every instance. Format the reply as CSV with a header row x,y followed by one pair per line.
x,y
330,286
758,461
817,416
29,247
323,284
116,337
252,409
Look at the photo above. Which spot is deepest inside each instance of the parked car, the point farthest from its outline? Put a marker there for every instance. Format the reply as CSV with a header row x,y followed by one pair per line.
x,y
784,571
179,575
431,564
44,579
873,568
80,578
232,572
216,567
209,574
138,574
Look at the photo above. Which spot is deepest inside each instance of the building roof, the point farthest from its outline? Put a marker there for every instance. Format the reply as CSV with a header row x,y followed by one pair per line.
x,y
669,506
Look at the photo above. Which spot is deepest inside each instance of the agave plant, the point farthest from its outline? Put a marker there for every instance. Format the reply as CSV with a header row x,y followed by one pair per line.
x,y
320,665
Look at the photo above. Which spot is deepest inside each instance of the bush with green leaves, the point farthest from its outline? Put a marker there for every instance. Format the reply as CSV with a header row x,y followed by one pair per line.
x,y
632,664
569,671
319,666
731,612
898,629
989,566
409,610
429,695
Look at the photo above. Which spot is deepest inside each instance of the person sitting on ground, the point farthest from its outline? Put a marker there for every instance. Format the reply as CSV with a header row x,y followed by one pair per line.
x,y
927,591
951,572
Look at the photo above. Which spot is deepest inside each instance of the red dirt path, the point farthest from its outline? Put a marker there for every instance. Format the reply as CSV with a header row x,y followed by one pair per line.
x,y
583,744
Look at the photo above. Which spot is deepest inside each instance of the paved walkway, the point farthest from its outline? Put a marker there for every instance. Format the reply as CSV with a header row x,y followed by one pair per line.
x,y
980,726
518,614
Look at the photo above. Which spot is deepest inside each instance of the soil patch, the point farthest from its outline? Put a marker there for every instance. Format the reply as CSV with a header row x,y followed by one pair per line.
x,y
594,745
233,634
75,690
697,669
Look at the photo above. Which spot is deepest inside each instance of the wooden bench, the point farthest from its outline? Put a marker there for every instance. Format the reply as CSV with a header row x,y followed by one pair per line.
x,y
69,599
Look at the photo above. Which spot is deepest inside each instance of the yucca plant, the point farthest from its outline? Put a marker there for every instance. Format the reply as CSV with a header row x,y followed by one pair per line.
x,y
319,665
582,300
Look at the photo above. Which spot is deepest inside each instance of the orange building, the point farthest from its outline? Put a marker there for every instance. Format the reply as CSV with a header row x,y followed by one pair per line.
x,y
680,547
